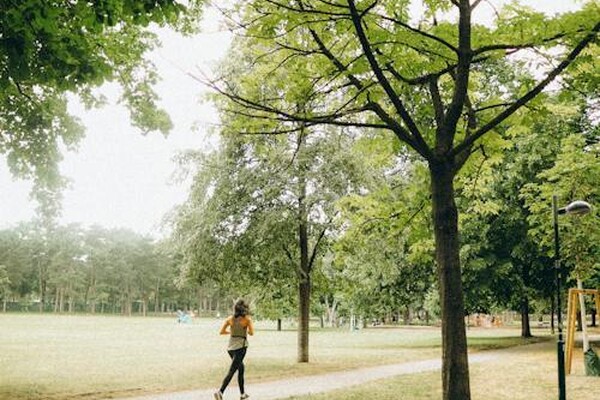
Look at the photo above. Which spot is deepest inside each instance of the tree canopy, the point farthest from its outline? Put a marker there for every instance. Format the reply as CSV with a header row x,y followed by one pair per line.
x,y
435,82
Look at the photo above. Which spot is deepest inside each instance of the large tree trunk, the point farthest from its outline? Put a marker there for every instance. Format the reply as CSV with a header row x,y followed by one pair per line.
x,y
455,365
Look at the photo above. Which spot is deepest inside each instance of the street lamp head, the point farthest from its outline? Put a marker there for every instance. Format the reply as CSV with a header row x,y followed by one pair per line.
x,y
577,207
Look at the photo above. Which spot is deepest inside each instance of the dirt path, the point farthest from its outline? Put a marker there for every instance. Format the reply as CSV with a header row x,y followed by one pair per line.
x,y
285,388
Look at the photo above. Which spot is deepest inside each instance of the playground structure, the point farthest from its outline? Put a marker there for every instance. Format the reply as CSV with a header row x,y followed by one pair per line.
x,y
572,308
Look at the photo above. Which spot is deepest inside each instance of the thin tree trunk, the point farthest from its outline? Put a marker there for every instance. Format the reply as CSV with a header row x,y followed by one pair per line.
x,y
331,312
304,319
525,326
552,309
455,365
156,297
92,292
144,307
304,271
61,300
42,284
56,301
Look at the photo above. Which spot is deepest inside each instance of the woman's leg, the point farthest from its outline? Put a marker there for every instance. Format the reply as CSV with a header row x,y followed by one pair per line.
x,y
237,358
241,375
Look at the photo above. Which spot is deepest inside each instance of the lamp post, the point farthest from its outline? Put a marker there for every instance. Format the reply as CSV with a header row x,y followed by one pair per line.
x,y
577,207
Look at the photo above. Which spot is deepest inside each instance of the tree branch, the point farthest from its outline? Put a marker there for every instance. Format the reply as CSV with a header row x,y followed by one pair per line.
x,y
445,137
475,4
303,10
417,140
438,105
491,106
505,46
420,32
287,117
468,141
393,125
316,246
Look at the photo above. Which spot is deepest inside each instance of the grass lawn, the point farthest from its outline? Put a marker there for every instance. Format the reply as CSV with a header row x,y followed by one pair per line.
x,y
91,357
521,373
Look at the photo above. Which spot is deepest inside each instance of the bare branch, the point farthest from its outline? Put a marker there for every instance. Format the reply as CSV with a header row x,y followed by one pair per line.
x,y
420,32
367,9
491,106
21,91
329,3
506,46
303,10
276,115
419,50
475,4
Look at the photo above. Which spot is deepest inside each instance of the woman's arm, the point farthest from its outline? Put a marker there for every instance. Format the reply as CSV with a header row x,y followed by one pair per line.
x,y
226,324
250,327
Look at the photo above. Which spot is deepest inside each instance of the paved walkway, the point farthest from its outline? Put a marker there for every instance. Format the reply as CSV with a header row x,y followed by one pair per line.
x,y
282,389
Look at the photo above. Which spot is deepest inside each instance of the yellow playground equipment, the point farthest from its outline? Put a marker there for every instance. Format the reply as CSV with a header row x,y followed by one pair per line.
x,y
573,307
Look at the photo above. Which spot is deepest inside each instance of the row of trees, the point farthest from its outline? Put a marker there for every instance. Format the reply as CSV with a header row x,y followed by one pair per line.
x,y
266,215
92,270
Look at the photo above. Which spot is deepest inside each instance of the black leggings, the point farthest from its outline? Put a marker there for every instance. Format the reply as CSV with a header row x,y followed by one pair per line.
x,y
237,364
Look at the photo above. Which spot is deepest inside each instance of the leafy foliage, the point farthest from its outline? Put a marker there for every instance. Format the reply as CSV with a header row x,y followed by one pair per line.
x,y
49,49
240,224
368,65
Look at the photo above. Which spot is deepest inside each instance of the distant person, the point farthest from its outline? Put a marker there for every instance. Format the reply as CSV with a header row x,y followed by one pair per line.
x,y
238,326
183,317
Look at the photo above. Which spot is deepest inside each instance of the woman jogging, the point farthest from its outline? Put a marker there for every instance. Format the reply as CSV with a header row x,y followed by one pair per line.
x,y
238,326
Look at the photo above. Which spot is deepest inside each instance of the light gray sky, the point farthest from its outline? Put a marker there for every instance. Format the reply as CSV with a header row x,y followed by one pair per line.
x,y
121,178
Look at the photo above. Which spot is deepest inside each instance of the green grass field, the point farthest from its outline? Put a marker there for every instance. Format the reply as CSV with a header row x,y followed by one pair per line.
x,y
92,357
523,373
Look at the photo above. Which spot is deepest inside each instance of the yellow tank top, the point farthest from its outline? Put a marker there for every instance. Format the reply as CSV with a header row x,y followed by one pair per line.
x,y
239,333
